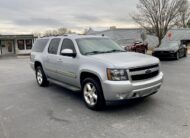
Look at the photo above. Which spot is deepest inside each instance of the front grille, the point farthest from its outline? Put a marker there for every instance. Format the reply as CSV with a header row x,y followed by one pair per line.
x,y
163,54
144,72
144,76
143,68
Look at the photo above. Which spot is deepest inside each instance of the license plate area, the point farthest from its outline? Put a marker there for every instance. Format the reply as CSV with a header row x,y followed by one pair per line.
x,y
148,92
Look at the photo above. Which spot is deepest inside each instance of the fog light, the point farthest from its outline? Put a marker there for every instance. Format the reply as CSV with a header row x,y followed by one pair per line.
x,y
121,96
135,95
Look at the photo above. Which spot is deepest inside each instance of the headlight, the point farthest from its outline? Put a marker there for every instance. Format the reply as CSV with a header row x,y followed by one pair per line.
x,y
117,74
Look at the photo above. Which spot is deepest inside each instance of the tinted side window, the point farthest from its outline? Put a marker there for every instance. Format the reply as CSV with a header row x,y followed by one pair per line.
x,y
68,44
40,45
53,46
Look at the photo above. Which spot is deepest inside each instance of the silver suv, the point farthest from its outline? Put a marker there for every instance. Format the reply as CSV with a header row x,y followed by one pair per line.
x,y
97,66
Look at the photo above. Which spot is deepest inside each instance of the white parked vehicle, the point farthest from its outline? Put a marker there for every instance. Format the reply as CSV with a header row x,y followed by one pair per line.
x,y
97,66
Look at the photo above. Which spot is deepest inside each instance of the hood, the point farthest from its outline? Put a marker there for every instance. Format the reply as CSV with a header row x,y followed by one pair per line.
x,y
126,59
166,49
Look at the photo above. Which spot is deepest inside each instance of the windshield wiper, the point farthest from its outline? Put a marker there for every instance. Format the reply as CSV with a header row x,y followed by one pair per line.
x,y
94,52
112,51
101,52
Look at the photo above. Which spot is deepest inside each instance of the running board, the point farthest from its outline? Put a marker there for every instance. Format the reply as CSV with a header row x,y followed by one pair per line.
x,y
72,88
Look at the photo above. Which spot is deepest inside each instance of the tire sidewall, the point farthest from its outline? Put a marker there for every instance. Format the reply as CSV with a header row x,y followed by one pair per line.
x,y
100,100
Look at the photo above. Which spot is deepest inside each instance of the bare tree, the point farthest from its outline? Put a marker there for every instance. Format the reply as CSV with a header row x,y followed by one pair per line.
x,y
88,30
59,31
143,36
184,14
62,31
48,33
158,16
188,23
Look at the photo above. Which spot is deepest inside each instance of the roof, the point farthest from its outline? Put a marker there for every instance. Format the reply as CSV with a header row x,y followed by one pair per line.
x,y
75,36
17,36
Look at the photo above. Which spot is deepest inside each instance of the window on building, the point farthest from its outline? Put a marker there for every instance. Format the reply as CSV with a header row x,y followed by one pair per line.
x,y
20,44
28,43
68,44
40,45
53,46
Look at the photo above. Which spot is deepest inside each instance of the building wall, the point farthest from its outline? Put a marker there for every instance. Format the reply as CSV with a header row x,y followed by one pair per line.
x,y
177,35
127,36
7,47
21,44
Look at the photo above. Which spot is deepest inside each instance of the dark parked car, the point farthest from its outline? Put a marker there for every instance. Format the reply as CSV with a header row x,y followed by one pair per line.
x,y
137,47
171,49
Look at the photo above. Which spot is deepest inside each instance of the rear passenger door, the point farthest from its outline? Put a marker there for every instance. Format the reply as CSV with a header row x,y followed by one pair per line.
x,y
67,66
51,58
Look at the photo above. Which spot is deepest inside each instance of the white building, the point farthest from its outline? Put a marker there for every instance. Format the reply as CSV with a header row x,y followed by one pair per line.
x,y
16,44
182,35
124,36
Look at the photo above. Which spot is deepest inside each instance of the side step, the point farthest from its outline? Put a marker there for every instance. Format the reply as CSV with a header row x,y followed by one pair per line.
x,y
72,88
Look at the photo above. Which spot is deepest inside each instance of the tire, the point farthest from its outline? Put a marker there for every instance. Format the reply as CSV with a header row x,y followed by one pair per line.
x,y
41,77
92,94
185,54
177,56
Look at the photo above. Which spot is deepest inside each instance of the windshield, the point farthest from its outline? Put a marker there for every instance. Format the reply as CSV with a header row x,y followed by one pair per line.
x,y
89,46
125,41
170,45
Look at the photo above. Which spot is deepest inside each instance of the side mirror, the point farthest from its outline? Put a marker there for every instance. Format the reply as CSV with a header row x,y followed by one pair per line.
x,y
68,52
184,46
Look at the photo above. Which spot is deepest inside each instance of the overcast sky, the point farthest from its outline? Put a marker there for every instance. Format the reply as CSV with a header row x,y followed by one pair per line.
x,y
26,16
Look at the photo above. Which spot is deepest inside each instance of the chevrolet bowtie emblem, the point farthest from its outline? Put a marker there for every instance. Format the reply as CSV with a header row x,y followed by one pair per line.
x,y
148,71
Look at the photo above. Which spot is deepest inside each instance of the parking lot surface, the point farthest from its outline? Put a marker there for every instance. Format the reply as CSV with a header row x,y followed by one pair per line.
x,y
28,111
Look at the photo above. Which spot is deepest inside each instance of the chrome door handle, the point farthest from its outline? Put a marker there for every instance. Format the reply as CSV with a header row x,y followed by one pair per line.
x,y
59,60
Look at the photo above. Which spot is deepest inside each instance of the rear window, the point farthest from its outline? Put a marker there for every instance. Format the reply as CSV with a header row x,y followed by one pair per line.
x,y
40,45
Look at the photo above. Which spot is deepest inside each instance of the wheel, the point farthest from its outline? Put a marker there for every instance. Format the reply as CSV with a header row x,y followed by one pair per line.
x,y
41,77
177,56
93,94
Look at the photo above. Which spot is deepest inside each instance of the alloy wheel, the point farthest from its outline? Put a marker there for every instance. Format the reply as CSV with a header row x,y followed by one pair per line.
x,y
90,94
39,77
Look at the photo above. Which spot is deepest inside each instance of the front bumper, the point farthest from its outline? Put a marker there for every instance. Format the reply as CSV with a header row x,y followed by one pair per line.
x,y
164,55
32,65
122,90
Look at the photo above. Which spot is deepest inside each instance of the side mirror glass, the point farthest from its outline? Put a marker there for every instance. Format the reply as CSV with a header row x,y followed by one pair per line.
x,y
184,46
68,52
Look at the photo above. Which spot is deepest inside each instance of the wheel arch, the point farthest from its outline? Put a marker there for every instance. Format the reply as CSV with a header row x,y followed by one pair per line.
x,y
86,74
36,64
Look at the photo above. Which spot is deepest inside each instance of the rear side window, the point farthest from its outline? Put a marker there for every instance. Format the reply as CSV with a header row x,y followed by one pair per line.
x,y
40,45
53,46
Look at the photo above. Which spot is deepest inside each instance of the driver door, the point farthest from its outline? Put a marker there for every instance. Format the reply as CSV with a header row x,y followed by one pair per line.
x,y
67,66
